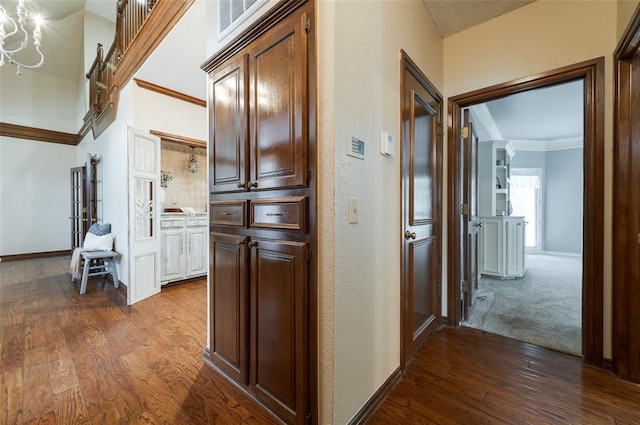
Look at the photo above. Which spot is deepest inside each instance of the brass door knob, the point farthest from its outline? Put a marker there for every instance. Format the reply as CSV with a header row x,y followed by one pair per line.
x,y
409,235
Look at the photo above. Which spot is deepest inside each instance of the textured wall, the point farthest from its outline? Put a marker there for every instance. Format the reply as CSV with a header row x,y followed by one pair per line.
x,y
360,94
186,189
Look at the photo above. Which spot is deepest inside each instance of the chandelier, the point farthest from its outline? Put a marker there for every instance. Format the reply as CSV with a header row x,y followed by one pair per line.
x,y
12,31
192,164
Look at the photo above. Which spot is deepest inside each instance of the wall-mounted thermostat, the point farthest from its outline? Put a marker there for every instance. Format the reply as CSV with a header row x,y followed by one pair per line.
x,y
387,143
355,147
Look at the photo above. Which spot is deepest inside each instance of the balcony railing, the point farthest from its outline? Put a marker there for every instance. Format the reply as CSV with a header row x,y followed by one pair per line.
x,y
135,38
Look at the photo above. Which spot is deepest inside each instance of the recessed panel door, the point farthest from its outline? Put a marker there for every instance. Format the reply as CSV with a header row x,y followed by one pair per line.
x,y
279,110
228,124
421,210
279,327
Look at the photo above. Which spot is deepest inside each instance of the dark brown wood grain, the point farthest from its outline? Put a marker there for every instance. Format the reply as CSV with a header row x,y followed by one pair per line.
x,y
466,376
38,134
170,92
91,359
626,220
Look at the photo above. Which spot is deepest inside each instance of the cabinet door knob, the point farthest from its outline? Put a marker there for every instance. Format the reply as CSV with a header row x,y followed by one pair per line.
x,y
253,244
252,184
242,185
242,241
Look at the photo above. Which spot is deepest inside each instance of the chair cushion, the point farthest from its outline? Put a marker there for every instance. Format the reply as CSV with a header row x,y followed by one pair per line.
x,y
99,243
100,229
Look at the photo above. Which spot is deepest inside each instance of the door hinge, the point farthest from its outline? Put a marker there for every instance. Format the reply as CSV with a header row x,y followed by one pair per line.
x,y
464,209
308,175
308,254
464,286
307,419
307,24
439,128
465,132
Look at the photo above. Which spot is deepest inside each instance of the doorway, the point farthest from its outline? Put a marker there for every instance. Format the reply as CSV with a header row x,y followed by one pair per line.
x,y
592,75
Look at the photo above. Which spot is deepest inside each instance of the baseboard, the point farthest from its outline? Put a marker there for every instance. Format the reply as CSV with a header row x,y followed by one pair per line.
x,y
33,255
378,397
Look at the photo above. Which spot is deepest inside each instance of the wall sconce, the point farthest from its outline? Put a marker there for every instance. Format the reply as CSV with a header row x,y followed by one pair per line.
x,y
192,164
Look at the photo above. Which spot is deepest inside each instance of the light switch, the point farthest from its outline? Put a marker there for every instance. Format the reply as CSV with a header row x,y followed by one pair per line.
x,y
353,210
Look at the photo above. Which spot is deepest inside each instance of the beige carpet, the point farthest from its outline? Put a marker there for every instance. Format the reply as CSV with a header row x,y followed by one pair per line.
x,y
543,308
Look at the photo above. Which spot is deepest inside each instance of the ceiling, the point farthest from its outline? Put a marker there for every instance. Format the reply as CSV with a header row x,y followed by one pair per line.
x,y
452,16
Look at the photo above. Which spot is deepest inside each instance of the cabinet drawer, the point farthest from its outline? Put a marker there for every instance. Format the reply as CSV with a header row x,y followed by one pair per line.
x,y
229,213
172,223
281,213
197,221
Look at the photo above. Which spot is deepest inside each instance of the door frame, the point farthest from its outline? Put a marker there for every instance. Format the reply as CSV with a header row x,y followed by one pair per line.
x,y
625,248
592,73
408,65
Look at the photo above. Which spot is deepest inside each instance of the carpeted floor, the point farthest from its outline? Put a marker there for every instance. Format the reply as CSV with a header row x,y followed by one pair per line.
x,y
543,308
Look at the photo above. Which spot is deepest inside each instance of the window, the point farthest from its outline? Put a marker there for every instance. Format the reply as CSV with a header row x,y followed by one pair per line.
x,y
526,185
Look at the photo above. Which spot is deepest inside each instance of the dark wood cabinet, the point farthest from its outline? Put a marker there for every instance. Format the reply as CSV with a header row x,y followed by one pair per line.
x,y
262,194
258,114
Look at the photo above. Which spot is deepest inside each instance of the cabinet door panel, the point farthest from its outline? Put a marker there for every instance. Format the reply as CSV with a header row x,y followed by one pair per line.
x,y
279,326
278,108
196,251
229,301
228,124
172,242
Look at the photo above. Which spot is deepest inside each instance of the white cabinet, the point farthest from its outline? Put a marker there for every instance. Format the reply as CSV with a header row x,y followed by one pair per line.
x,y
494,166
502,242
184,247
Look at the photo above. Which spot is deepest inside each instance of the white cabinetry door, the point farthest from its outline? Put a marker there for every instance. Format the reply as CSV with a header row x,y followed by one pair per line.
x,y
515,247
491,246
172,254
197,251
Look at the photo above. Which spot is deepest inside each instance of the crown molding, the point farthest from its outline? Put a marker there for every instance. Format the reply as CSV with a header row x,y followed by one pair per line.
x,y
37,134
180,140
547,145
169,92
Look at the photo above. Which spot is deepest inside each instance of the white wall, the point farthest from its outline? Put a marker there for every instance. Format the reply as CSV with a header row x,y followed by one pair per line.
x,y
541,36
34,196
110,150
359,80
37,100
34,176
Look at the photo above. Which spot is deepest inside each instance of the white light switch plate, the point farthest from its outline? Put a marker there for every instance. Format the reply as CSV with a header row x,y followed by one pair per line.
x,y
353,210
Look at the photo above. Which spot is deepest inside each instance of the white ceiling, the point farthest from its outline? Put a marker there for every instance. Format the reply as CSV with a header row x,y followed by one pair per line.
x,y
452,16
546,118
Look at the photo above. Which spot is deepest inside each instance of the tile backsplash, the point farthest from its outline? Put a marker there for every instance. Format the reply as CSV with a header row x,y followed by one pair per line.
x,y
186,189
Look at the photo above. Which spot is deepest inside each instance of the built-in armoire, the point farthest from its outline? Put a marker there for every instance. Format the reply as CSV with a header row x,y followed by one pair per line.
x,y
262,184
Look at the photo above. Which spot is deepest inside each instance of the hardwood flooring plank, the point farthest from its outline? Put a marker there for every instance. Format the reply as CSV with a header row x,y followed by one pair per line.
x,y
70,407
11,388
37,396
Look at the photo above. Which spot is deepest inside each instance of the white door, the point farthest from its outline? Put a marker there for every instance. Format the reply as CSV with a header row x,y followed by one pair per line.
x,y
144,217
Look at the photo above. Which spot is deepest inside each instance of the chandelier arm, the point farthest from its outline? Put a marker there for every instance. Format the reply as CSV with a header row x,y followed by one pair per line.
x,y
10,21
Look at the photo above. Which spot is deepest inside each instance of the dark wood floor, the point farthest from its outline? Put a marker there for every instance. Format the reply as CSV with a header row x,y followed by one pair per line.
x,y
90,359
467,376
